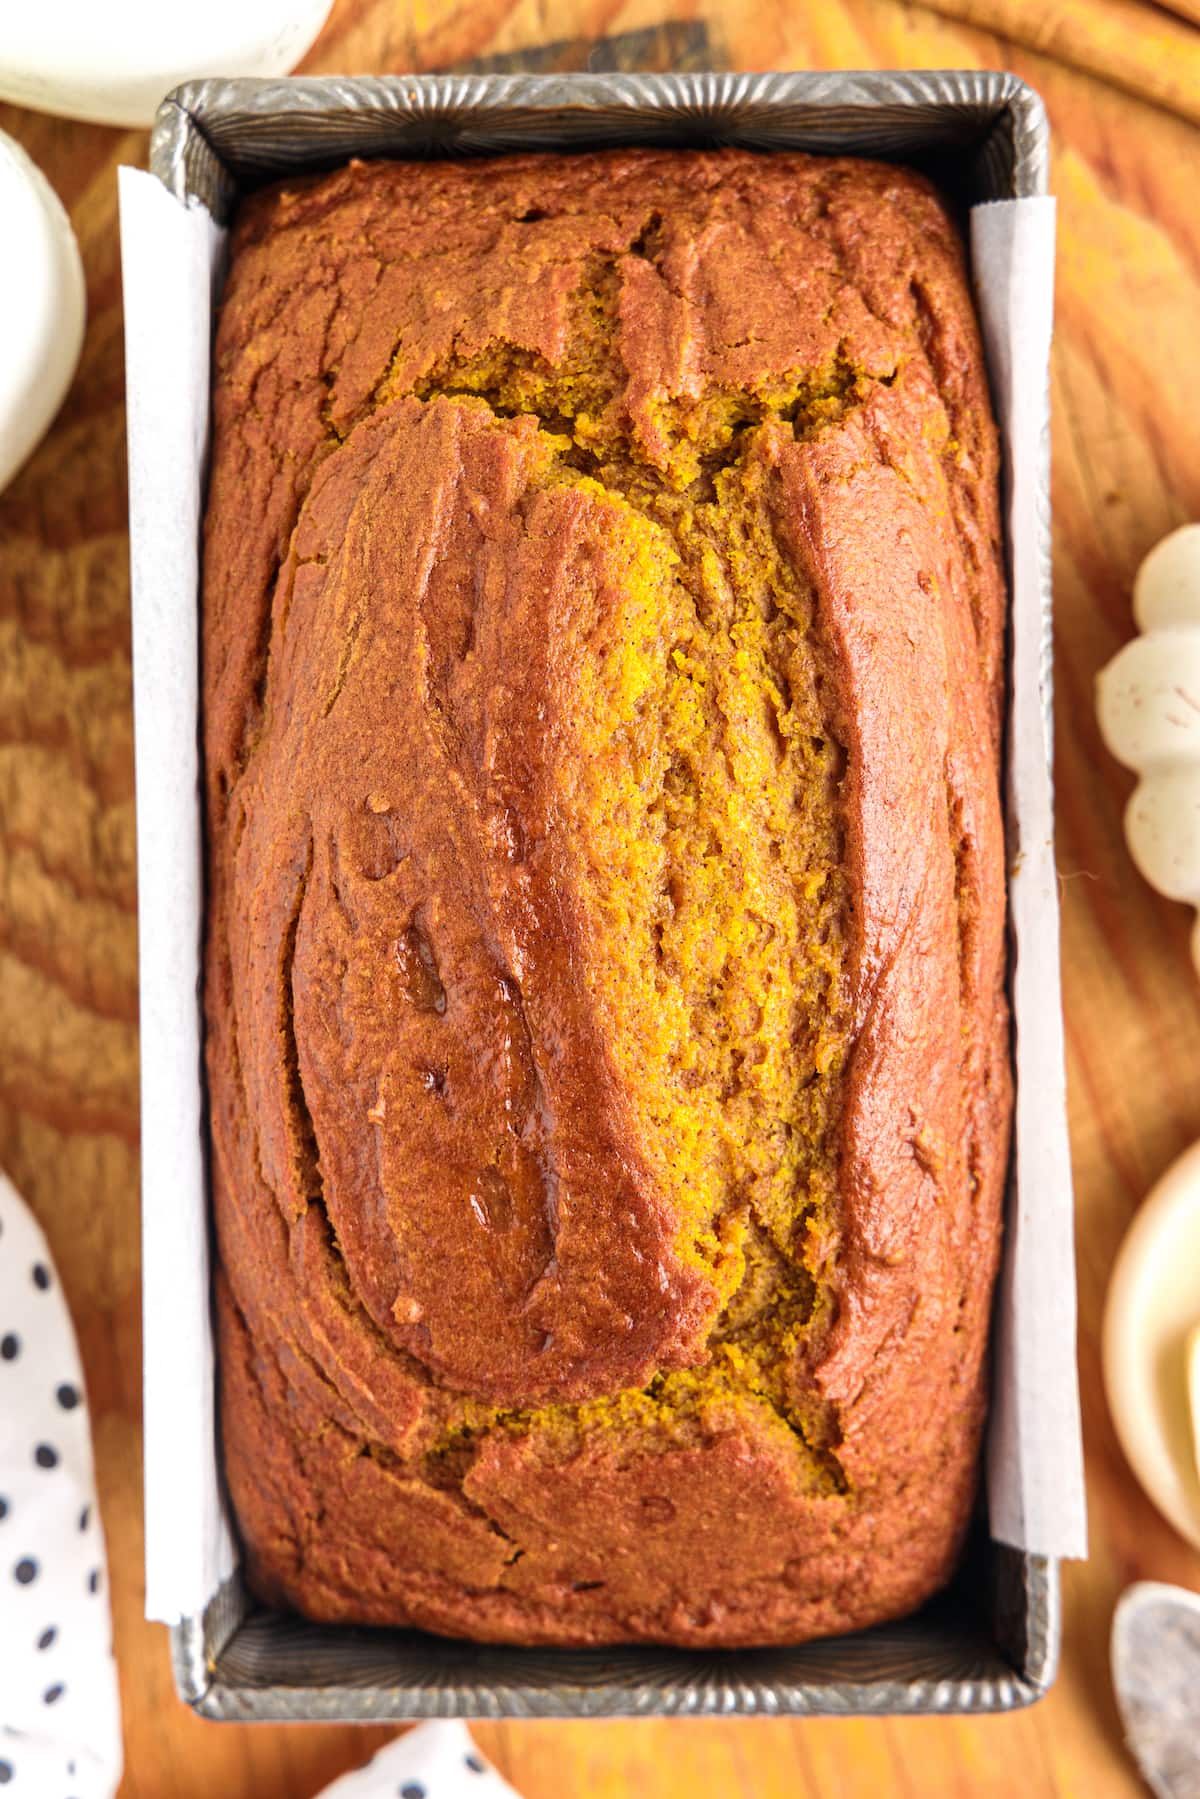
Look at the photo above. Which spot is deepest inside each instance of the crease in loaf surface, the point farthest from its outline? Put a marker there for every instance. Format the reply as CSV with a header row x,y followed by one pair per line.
x,y
606,1036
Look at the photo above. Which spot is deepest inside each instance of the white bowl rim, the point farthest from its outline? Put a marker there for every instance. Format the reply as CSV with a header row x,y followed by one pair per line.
x,y
1126,1362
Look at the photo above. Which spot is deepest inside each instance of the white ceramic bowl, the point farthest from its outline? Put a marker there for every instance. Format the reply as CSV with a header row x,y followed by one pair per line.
x,y
114,60
1153,1306
41,306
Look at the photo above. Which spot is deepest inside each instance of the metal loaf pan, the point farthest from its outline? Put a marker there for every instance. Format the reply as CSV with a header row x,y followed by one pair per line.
x,y
990,1643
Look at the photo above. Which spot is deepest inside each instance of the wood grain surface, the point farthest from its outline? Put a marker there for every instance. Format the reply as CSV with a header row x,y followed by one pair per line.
x,y
1122,83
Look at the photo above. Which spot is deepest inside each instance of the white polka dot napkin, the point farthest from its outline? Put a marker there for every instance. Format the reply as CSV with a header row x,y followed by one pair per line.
x,y
60,1721
434,1761
60,1728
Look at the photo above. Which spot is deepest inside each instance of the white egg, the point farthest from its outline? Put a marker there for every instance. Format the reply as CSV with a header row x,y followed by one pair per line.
x,y
114,60
41,306
1148,700
1167,588
1162,829
1148,710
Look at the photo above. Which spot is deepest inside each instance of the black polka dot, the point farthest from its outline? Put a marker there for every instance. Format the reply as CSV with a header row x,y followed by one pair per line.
x,y
6,1773
47,1637
10,1346
25,1571
412,1789
476,1766
85,1517
3,1510
53,1694
41,1276
94,1581
45,1456
67,1396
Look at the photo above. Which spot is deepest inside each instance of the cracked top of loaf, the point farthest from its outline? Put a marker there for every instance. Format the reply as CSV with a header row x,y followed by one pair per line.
x,y
607,1045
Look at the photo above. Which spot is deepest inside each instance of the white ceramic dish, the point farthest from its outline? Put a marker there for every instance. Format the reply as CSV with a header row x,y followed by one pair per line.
x,y
1153,1305
113,60
41,306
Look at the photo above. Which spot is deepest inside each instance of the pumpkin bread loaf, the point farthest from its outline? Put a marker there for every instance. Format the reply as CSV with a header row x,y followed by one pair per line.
x,y
606,1035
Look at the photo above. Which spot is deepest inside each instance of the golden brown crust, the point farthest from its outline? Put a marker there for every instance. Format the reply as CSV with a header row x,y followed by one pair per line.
x,y
482,1369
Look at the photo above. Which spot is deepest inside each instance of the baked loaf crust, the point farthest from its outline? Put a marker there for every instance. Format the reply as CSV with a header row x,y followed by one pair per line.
x,y
607,1044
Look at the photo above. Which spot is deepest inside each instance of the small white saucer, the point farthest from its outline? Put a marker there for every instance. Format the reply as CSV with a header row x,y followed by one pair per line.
x,y
1153,1305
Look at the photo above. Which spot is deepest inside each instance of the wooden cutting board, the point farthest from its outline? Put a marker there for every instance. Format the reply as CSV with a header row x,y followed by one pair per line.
x,y
1122,83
